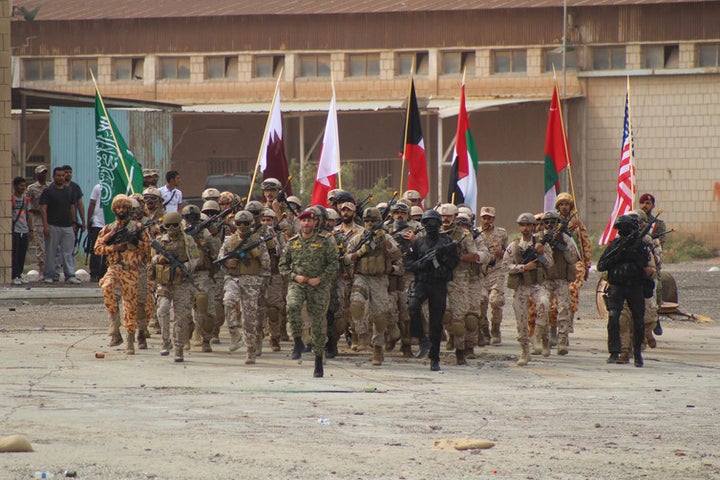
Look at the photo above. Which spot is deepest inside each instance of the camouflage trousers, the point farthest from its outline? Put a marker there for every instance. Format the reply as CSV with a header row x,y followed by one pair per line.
x,y
127,280
492,295
275,301
216,294
540,296
560,295
400,321
473,319
370,302
626,324
38,241
316,299
240,298
146,313
575,287
202,320
174,309
460,337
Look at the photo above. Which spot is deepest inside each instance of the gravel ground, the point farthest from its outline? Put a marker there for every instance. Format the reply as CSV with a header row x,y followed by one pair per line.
x,y
571,417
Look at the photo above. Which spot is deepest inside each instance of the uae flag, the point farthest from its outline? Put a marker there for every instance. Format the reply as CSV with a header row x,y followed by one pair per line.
x,y
557,156
329,164
414,148
463,173
118,170
272,159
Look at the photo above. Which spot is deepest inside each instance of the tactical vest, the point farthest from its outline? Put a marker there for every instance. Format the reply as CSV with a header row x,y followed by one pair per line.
x,y
244,266
165,274
531,277
376,262
561,269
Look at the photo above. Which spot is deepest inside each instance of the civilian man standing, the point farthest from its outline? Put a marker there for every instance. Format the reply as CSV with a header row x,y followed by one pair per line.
x,y
171,194
58,211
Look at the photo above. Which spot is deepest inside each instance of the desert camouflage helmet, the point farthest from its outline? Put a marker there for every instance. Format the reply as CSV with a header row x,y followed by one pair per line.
x,y
243,216
372,214
526,218
210,205
210,194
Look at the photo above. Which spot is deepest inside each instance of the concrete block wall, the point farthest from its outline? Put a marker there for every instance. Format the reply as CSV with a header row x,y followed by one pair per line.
x,y
5,145
676,126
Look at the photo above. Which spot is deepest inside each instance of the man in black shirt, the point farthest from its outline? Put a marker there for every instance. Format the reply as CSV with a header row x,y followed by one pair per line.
x,y
57,206
77,197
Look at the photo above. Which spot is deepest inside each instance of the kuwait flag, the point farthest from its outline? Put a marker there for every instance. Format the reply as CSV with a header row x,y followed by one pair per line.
x,y
272,158
414,148
329,164
557,156
463,173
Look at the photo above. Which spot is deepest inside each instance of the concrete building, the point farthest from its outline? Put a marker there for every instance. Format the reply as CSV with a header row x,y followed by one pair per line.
x,y
219,61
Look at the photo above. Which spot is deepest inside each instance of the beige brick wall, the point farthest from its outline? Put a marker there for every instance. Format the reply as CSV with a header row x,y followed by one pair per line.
x,y
5,144
676,125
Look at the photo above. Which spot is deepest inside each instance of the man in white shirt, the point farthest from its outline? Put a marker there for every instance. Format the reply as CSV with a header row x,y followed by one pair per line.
x,y
171,194
96,220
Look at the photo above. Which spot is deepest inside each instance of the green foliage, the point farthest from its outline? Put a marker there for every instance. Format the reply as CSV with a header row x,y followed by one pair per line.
x,y
381,191
681,247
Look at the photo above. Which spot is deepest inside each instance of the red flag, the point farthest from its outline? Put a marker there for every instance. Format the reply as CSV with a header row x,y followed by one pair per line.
x,y
626,179
556,154
272,160
414,148
329,164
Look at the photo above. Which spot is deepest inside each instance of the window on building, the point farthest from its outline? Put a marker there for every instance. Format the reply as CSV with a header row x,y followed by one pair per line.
x,y
708,55
80,69
267,66
314,66
363,65
554,57
128,68
608,58
38,69
454,63
175,68
418,61
661,56
510,61
221,67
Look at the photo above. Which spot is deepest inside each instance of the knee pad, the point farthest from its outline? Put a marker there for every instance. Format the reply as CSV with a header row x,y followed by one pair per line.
x,y
458,329
471,322
200,302
447,319
357,309
380,322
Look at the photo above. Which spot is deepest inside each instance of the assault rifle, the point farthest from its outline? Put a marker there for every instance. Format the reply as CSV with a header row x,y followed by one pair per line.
x,y
282,197
432,254
530,254
195,229
241,251
124,235
175,263
390,204
551,238
661,234
363,203
368,237
399,234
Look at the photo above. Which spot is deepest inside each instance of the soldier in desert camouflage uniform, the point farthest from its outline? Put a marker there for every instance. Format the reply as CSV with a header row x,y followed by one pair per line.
x,y
33,191
492,294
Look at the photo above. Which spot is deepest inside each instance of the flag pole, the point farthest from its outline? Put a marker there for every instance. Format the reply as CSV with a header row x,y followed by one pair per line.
x,y
112,132
407,125
632,150
265,132
337,128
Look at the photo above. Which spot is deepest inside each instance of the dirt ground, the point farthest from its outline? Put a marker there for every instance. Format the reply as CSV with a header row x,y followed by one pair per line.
x,y
573,417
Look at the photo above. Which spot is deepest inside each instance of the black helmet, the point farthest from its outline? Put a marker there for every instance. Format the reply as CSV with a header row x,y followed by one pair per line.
x,y
628,220
429,215
341,196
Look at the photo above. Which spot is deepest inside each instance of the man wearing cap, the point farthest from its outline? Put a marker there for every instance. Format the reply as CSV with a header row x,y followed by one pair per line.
x,y
528,260
413,196
147,178
374,256
309,263
658,230
492,291
172,196
33,191
565,205
462,329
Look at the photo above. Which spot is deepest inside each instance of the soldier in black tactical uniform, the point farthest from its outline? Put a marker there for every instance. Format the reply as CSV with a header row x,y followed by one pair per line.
x,y
432,258
627,261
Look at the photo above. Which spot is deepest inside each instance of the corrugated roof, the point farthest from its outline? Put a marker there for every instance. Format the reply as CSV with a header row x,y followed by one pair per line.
x,y
133,9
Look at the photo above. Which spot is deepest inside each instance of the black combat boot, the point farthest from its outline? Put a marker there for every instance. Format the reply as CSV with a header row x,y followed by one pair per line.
x,y
297,349
424,348
638,359
318,372
460,356
434,365
613,358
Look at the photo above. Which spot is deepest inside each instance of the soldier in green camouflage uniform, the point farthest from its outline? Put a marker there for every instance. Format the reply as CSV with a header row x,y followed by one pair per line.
x,y
309,262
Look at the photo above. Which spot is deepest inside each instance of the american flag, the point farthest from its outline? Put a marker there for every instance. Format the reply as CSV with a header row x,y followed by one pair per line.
x,y
626,178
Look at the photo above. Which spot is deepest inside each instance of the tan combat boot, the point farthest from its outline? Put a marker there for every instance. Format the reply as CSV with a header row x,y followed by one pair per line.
x,y
524,355
130,347
114,330
377,355
563,343
250,356
406,351
536,342
275,344
197,338
354,338
545,341
495,337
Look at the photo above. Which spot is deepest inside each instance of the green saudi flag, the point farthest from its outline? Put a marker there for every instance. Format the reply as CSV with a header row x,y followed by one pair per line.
x,y
118,169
